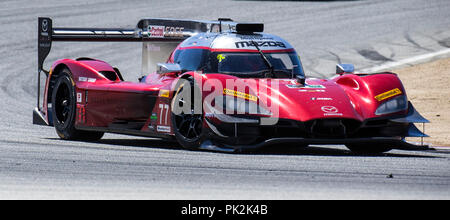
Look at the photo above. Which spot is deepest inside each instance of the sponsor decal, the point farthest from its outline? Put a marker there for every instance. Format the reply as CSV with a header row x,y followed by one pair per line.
x,y
220,57
154,117
330,111
241,95
296,86
85,79
388,94
44,45
311,90
155,31
242,44
44,32
165,129
293,86
315,86
321,99
164,93
44,25
254,37
81,114
174,32
79,97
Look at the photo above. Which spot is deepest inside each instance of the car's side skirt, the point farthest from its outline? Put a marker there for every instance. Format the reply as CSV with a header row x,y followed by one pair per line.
x,y
126,132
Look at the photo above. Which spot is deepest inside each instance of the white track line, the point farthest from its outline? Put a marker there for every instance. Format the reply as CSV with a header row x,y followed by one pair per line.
x,y
410,60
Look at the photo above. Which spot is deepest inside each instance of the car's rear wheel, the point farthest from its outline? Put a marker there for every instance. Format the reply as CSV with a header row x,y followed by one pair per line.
x,y
187,118
369,148
64,110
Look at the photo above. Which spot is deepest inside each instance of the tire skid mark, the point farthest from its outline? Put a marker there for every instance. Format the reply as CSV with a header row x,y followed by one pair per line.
x,y
373,55
417,45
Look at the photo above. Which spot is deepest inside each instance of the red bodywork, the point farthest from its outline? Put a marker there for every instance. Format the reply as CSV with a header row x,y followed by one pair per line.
x,y
346,109
105,104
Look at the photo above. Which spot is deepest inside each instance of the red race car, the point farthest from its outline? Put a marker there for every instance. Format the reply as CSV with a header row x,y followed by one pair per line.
x,y
218,85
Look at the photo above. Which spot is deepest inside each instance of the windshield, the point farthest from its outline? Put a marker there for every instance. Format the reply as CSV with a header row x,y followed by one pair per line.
x,y
242,64
192,59
285,65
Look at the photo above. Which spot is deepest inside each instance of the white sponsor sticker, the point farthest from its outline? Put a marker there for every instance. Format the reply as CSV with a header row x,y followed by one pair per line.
x,y
315,86
311,90
294,85
165,129
331,111
82,79
79,97
333,114
321,99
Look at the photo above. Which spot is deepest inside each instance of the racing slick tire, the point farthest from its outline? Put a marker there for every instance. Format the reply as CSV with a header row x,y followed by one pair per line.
x,y
369,148
188,126
64,110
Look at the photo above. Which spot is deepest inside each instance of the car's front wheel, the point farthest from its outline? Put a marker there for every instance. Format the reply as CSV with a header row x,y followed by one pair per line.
x,y
187,117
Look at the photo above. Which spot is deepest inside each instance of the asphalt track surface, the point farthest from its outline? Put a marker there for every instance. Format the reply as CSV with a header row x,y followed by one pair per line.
x,y
35,164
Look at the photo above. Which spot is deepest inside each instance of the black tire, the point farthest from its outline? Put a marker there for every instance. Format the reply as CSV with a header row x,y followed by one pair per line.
x,y
64,107
369,148
188,127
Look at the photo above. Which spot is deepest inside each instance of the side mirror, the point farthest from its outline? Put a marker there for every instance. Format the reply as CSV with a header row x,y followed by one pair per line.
x,y
163,68
300,79
344,68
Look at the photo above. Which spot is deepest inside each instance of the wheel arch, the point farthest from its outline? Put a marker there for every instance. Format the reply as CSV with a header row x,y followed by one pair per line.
x,y
195,77
54,74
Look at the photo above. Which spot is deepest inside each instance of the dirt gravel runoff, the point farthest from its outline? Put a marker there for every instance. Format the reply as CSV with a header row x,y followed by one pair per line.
x,y
427,86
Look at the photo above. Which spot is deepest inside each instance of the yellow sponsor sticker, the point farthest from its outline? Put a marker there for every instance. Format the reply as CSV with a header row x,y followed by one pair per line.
x,y
220,57
388,94
164,93
241,95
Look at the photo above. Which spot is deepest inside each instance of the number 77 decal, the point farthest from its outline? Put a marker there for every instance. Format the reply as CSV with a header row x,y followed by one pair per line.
x,y
164,112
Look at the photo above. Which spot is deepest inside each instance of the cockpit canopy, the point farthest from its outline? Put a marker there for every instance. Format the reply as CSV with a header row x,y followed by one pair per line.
x,y
239,55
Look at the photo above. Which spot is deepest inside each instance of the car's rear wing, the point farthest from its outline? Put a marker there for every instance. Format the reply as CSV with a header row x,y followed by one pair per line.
x,y
159,37
147,30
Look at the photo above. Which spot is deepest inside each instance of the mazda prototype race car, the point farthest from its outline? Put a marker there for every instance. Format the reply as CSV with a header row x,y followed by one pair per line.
x,y
218,85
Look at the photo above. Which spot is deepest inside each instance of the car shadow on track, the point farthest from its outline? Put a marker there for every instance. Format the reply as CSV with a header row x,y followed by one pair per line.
x,y
145,143
315,150
137,143
312,150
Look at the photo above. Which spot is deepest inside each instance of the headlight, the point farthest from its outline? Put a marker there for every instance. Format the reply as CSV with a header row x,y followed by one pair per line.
x,y
232,105
396,104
